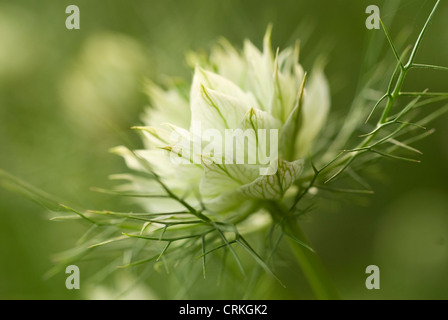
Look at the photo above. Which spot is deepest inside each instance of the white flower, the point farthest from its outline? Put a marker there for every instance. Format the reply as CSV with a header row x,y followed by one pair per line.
x,y
246,90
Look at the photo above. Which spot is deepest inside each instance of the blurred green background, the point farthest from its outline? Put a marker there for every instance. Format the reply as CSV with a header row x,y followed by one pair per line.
x,y
67,96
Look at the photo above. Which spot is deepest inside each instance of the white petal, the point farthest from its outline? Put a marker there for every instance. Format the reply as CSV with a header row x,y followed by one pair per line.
x,y
290,130
260,78
273,187
258,121
167,106
315,109
229,63
288,75
220,178
216,102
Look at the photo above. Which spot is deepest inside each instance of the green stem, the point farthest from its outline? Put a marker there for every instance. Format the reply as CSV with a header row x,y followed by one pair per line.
x,y
313,268
310,263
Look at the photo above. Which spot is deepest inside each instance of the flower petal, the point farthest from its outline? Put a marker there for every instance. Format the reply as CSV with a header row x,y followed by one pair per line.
x,y
167,105
217,103
273,187
229,63
260,72
262,142
316,105
220,178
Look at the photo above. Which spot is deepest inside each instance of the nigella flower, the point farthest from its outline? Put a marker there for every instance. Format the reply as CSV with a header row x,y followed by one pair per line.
x,y
225,157
254,93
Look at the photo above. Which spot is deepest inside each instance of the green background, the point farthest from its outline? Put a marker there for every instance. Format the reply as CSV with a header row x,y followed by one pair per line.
x,y
67,96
